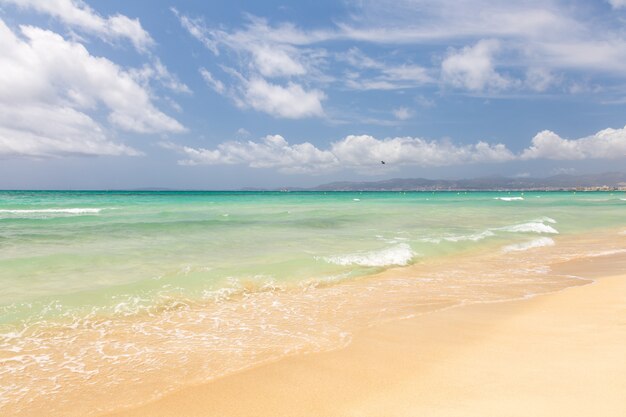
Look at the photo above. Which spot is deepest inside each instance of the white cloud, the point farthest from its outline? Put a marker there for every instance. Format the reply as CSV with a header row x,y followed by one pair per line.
x,y
387,76
42,73
365,150
605,144
363,153
598,55
402,113
391,78
211,81
531,39
407,72
360,152
420,21
40,131
355,57
372,84
540,79
197,30
472,68
78,14
266,53
533,33
273,61
290,101
159,72
617,4
272,152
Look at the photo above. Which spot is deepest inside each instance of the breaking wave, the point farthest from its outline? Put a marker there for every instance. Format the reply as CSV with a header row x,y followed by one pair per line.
x,y
509,198
53,211
531,227
399,255
461,238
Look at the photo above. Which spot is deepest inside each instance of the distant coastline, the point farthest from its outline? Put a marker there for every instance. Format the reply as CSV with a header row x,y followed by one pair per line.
x,y
609,181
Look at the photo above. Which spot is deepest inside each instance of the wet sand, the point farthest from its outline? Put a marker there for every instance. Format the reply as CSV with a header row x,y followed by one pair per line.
x,y
555,354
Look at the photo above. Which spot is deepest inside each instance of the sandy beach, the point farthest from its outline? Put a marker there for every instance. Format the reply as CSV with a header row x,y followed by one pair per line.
x,y
555,354
355,208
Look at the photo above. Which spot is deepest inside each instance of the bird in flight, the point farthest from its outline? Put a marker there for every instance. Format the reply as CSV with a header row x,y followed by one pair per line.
x,y
382,162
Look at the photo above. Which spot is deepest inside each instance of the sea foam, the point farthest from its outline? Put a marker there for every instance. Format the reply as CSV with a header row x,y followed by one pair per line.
x,y
531,227
545,219
461,238
509,198
400,255
52,211
537,243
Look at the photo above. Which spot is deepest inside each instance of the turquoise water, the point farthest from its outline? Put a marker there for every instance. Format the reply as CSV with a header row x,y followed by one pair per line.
x,y
105,290
78,249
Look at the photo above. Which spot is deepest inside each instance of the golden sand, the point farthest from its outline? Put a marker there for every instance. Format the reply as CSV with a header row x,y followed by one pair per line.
x,y
560,354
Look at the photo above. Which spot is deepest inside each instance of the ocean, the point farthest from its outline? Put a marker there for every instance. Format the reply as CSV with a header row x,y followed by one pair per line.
x,y
106,290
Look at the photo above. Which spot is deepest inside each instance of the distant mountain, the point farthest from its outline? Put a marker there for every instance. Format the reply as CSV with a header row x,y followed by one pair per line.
x,y
610,180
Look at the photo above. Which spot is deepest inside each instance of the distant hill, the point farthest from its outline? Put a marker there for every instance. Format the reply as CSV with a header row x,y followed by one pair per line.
x,y
610,180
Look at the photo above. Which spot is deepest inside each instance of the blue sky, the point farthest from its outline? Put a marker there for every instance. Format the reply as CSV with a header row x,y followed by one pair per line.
x,y
181,94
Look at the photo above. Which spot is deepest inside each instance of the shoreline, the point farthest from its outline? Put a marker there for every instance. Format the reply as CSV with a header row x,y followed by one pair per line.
x,y
520,357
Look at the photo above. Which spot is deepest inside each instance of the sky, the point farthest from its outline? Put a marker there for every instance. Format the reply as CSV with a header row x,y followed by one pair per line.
x,y
180,94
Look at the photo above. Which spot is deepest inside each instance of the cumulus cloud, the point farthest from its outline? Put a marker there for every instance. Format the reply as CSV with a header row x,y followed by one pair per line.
x,y
605,144
290,101
360,152
41,74
366,150
42,131
271,61
472,67
77,14
363,153
273,151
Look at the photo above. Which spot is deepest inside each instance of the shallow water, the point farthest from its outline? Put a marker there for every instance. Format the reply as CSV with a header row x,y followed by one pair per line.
x,y
102,290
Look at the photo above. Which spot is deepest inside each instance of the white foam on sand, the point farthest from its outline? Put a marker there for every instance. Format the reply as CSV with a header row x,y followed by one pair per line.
x,y
400,255
531,227
536,243
545,219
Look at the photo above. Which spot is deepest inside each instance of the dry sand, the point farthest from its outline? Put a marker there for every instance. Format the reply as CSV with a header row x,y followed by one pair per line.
x,y
561,354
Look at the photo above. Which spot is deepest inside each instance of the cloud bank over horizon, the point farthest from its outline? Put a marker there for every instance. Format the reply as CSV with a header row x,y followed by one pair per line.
x,y
364,153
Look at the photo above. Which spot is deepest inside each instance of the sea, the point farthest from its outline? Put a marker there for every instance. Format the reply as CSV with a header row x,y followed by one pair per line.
x,y
109,299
